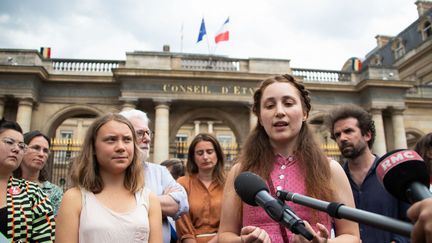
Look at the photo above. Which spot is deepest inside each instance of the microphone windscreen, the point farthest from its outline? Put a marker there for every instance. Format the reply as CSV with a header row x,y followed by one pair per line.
x,y
247,185
397,169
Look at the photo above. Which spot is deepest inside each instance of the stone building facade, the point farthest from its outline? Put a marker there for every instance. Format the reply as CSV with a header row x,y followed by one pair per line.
x,y
184,94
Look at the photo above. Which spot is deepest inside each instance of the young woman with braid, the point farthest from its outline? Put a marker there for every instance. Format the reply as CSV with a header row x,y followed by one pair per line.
x,y
282,150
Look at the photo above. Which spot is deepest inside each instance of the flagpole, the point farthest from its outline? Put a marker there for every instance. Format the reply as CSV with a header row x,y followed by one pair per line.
x,y
181,38
208,44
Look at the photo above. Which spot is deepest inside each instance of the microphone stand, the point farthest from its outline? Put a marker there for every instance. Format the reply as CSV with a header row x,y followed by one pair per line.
x,y
338,210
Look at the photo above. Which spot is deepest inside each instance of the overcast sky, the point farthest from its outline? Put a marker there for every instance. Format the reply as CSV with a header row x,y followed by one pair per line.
x,y
320,34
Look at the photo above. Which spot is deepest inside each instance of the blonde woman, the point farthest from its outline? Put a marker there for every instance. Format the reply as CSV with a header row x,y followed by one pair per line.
x,y
109,202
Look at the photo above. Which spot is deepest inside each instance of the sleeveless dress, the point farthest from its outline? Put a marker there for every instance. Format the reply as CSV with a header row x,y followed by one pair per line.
x,y
286,176
100,224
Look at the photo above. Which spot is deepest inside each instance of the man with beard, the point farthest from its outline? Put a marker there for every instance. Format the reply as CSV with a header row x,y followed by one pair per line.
x,y
353,130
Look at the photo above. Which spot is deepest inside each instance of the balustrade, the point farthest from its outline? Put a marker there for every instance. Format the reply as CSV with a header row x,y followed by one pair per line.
x,y
73,65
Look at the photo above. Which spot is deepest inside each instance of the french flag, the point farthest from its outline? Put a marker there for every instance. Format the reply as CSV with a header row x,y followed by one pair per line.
x,y
223,33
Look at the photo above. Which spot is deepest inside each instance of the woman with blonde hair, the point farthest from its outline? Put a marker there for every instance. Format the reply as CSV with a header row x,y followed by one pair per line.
x,y
109,202
282,150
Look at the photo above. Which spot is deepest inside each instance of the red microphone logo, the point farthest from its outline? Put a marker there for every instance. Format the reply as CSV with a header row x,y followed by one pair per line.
x,y
394,159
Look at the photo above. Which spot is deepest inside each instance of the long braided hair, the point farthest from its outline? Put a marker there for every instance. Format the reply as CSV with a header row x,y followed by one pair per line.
x,y
257,154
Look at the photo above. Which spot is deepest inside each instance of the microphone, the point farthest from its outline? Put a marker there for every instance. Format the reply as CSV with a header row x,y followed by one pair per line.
x,y
403,173
338,210
253,191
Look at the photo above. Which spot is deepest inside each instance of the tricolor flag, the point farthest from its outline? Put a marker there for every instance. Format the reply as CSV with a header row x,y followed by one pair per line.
x,y
202,31
356,64
223,33
45,52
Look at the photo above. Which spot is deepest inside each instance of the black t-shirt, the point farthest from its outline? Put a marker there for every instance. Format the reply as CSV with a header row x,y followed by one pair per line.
x,y
3,220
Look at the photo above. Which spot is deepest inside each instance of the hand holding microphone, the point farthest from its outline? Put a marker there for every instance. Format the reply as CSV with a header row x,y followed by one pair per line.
x,y
421,214
253,191
403,173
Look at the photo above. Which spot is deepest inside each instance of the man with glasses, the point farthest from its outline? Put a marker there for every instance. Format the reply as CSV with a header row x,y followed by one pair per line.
x,y
34,166
172,196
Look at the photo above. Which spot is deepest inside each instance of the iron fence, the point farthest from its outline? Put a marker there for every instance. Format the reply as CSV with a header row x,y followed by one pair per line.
x,y
65,150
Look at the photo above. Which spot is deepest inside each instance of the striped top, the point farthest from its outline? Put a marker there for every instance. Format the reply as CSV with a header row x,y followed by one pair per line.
x,y
30,215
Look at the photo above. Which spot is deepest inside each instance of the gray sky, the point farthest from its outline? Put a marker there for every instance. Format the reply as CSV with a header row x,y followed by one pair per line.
x,y
320,34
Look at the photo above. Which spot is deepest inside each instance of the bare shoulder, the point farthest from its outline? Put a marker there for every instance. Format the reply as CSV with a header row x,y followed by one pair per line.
x,y
235,169
72,194
335,168
72,198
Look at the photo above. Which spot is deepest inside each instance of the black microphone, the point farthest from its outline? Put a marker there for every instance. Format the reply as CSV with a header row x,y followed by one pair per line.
x,y
338,210
253,191
403,173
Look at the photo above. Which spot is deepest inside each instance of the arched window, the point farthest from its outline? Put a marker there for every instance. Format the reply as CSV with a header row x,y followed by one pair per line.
x,y
427,29
376,60
398,48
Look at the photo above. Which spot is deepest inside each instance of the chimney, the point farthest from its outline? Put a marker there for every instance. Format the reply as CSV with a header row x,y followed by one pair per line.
x,y
382,40
423,6
166,48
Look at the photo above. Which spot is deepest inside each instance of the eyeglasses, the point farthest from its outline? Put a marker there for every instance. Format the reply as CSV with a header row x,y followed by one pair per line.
x,y
10,142
141,133
38,148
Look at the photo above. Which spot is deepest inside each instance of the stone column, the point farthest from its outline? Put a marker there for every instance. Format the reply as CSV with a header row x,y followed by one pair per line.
x,y
128,105
210,127
1,108
161,139
197,127
24,114
80,130
400,141
379,146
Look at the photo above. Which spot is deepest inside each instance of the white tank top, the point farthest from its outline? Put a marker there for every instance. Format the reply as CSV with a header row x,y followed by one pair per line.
x,y
100,224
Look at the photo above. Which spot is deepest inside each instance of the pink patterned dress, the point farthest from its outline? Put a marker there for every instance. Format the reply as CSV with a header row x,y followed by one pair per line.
x,y
286,176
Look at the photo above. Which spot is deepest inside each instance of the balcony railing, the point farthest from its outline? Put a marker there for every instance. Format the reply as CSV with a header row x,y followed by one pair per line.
x,y
230,65
205,64
74,65
322,75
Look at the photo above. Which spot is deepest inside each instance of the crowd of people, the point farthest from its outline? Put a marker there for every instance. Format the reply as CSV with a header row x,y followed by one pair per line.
x,y
117,195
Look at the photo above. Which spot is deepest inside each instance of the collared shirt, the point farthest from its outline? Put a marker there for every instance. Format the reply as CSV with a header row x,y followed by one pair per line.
x,y
286,175
372,197
157,179
205,210
54,193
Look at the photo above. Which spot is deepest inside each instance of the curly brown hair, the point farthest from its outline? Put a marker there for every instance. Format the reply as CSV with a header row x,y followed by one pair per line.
x,y
364,120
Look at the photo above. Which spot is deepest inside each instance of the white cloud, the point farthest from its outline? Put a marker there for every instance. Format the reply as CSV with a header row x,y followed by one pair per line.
x,y
312,34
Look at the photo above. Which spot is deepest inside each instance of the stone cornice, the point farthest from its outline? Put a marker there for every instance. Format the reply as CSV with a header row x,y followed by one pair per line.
x,y
40,71
152,73
384,83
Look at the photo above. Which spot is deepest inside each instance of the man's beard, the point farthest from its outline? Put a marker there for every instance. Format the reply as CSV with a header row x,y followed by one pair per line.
x,y
144,154
355,151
